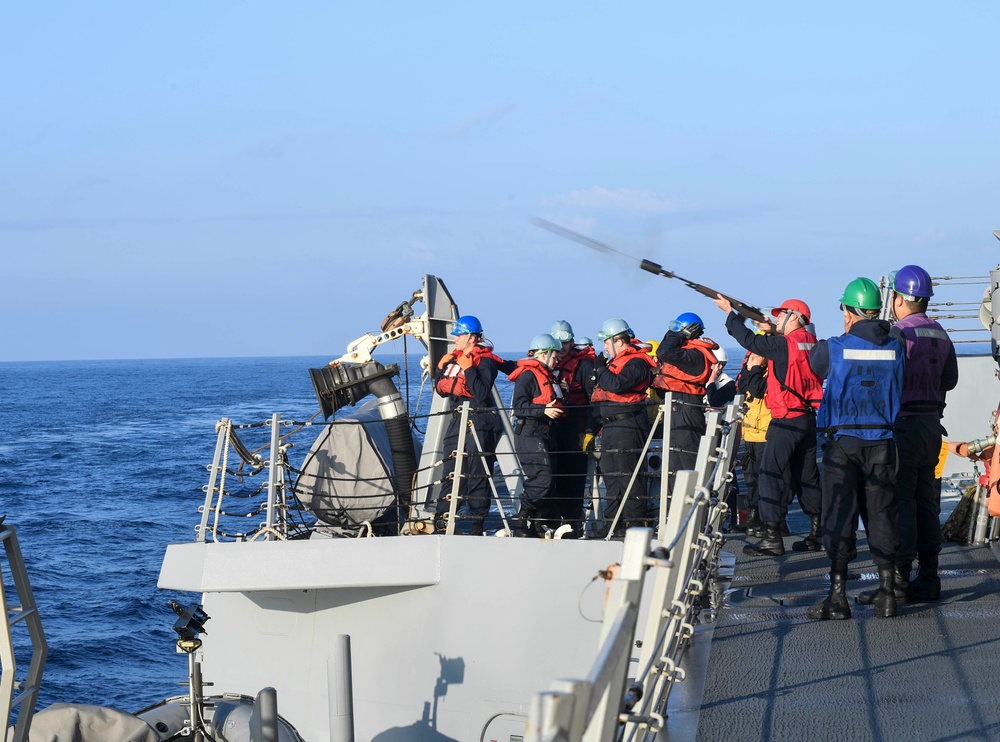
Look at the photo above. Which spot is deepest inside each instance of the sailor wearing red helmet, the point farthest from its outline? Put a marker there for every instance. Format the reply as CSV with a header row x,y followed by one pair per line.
x,y
794,391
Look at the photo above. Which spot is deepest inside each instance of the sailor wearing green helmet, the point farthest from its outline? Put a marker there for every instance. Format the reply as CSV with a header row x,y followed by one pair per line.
x,y
863,369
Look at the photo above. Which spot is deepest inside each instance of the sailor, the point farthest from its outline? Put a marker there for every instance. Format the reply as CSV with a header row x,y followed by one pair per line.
x,y
467,373
788,461
621,379
864,373
537,402
721,387
751,382
575,370
931,371
686,363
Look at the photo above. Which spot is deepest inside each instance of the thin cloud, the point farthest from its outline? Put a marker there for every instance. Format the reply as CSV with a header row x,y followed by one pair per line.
x,y
482,119
620,199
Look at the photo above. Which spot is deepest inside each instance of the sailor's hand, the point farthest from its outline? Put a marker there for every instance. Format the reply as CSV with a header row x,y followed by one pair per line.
x,y
600,362
754,360
552,412
446,359
587,444
723,303
464,361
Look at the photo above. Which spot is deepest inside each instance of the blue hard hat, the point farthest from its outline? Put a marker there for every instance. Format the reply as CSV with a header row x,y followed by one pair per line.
x,y
682,321
913,281
467,325
562,331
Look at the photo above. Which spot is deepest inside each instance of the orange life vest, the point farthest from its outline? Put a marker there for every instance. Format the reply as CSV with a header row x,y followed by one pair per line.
x,y
452,380
634,395
550,391
672,379
802,390
576,395
993,479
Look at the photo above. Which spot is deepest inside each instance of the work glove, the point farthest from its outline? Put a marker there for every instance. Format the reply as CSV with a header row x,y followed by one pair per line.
x,y
600,362
692,331
465,362
445,360
587,442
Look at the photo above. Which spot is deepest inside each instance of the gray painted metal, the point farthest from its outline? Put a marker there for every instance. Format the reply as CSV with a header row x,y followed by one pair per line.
x,y
929,674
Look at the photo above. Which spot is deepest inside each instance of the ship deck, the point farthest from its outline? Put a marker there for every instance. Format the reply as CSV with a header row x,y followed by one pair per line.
x,y
763,671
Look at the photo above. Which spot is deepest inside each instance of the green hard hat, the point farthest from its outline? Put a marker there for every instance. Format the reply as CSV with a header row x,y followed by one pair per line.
x,y
862,293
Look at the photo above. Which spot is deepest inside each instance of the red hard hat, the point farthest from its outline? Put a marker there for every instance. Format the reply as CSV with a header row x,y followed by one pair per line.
x,y
794,305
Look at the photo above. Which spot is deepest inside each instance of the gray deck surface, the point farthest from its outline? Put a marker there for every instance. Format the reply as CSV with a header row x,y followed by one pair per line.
x,y
932,673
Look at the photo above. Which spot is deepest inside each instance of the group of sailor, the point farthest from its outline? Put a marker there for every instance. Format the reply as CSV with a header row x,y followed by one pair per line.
x,y
564,395
877,393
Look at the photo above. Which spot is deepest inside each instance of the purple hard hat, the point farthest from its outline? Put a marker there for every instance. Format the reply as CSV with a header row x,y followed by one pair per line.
x,y
913,281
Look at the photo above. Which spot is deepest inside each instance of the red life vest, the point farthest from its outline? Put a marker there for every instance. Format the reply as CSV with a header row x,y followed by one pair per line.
x,y
802,390
673,379
452,381
547,382
634,395
576,395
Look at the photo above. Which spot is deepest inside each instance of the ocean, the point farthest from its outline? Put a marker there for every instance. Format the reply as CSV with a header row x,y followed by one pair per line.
x,y
102,465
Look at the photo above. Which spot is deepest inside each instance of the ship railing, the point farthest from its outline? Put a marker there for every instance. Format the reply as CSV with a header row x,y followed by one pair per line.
x,y
254,491
270,515
606,704
25,612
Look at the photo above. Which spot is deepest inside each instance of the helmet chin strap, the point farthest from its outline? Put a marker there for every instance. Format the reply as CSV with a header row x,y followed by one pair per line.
x,y
781,330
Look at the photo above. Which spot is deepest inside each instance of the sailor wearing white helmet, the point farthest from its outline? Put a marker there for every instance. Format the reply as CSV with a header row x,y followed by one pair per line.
x,y
575,369
537,403
621,379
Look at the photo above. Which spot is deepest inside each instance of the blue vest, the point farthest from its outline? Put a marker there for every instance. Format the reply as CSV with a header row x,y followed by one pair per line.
x,y
863,388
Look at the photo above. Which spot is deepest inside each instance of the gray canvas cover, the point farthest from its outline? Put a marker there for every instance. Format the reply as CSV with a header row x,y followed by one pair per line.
x,y
71,722
346,478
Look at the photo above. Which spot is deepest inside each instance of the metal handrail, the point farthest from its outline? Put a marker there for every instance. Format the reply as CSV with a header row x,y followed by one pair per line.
x,y
25,613
594,709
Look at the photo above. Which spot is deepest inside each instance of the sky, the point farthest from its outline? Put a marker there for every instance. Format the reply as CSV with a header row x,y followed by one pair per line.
x,y
191,179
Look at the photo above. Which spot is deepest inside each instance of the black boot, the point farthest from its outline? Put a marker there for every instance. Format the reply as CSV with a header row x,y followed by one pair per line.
x,y
834,606
812,542
903,580
476,529
901,583
520,527
783,528
754,525
926,586
771,544
884,602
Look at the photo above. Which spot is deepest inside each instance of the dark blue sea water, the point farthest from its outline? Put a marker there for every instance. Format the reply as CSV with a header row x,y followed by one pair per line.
x,y
101,466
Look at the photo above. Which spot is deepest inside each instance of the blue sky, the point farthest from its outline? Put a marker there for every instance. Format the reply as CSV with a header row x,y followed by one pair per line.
x,y
216,179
